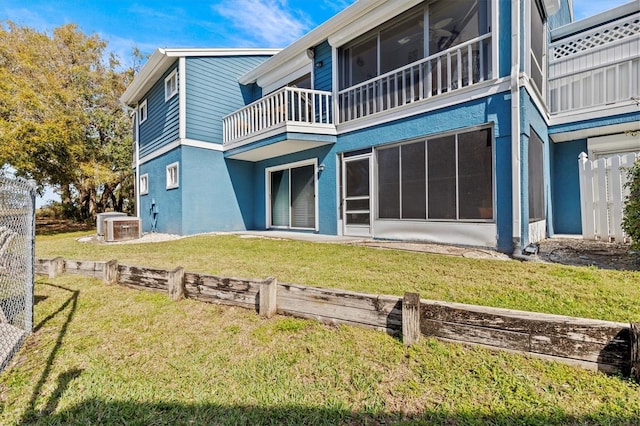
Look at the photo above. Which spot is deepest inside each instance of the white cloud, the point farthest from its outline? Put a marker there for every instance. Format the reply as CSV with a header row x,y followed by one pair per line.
x,y
265,22
28,18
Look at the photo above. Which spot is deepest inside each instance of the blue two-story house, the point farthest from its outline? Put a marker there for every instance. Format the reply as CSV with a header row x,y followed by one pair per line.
x,y
454,122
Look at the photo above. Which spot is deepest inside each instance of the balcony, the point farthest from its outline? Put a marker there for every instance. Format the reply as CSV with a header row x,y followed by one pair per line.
x,y
290,112
453,69
595,68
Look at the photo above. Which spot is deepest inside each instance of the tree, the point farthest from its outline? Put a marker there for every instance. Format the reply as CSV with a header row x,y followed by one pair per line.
x,y
61,122
631,220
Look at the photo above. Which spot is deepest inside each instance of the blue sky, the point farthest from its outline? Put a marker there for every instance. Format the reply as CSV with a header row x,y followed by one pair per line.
x,y
150,24
198,23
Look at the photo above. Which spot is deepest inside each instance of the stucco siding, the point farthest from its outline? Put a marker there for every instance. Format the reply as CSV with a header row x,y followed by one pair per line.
x,y
168,202
566,186
216,194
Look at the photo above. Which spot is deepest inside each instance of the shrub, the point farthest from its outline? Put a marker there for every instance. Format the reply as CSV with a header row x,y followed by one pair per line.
x,y
631,220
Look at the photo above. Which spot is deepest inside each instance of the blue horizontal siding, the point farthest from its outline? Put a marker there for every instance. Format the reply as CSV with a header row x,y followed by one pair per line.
x,y
213,91
322,74
162,124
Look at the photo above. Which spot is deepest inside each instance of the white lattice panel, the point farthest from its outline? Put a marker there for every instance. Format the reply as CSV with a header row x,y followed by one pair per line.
x,y
598,37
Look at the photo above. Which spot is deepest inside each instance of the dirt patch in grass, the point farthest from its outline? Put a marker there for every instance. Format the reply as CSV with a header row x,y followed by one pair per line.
x,y
59,226
579,252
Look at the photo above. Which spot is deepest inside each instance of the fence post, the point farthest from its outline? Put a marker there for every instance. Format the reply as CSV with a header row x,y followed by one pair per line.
x,y
111,272
635,351
410,318
268,295
176,284
56,267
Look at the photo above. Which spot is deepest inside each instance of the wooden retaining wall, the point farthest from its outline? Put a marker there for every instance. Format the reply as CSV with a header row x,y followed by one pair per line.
x,y
611,347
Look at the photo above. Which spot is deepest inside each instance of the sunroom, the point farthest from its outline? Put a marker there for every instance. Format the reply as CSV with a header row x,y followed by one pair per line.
x,y
431,49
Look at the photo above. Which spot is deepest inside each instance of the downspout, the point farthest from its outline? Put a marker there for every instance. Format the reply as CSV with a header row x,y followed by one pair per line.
x,y
516,166
136,183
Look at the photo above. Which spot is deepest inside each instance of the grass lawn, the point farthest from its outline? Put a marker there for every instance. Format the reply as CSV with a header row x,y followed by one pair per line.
x,y
110,355
550,288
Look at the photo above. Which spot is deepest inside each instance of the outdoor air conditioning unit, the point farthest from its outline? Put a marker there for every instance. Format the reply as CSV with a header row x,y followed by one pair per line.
x,y
122,228
101,218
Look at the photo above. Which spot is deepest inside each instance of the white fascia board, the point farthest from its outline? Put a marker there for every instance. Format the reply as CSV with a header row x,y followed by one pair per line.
x,y
595,20
319,34
369,21
162,59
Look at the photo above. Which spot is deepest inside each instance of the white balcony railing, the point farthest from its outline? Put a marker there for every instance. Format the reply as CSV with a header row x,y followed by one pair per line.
x,y
597,67
289,105
463,65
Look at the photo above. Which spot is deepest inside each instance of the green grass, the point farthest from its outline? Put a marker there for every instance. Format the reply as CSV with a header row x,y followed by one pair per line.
x,y
111,355
557,289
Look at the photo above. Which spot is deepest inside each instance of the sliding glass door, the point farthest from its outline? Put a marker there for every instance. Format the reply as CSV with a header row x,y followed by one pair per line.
x,y
292,192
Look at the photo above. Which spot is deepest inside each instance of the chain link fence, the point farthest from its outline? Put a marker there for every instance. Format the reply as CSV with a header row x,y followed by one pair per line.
x,y
17,229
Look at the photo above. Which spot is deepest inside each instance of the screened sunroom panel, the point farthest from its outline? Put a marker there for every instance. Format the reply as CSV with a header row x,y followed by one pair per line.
x,y
475,175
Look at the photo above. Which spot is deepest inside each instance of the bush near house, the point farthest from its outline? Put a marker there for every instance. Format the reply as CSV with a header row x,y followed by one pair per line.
x,y
631,221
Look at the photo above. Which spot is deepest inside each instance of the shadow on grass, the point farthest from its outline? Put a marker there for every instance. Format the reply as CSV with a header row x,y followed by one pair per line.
x,y
65,378
98,411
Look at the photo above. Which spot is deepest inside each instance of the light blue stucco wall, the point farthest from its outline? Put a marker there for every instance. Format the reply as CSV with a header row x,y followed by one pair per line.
x,y
566,186
213,91
216,193
493,109
168,201
161,126
326,187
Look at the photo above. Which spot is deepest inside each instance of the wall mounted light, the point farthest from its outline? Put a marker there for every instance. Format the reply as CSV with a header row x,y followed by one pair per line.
x,y
319,64
321,167
311,53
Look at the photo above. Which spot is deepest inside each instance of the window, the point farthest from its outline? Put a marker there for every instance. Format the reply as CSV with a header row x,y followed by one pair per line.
x,y
406,39
171,85
537,46
292,196
142,111
536,178
144,184
172,176
444,178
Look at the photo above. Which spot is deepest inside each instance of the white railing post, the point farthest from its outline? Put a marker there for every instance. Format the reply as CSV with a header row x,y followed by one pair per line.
x,y
586,197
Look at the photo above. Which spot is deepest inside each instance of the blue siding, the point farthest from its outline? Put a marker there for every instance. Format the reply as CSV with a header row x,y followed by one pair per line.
x,y
213,91
322,75
162,124
504,37
168,201
217,193
566,186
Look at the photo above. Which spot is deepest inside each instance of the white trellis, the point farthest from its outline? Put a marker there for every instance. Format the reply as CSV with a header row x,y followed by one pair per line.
x,y
602,196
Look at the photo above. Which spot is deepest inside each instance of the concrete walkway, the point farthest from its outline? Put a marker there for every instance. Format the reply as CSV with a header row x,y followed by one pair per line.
x,y
300,236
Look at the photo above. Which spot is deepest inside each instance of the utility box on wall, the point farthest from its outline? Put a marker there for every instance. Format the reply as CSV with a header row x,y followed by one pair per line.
x,y
101,217
122,228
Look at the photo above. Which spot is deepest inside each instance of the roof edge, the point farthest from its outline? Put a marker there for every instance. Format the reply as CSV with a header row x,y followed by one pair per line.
x,y
162,58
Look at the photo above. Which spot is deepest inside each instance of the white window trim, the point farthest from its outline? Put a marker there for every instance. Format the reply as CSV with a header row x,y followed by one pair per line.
x,y
173,185
144,189
143,107
172,76
269,170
